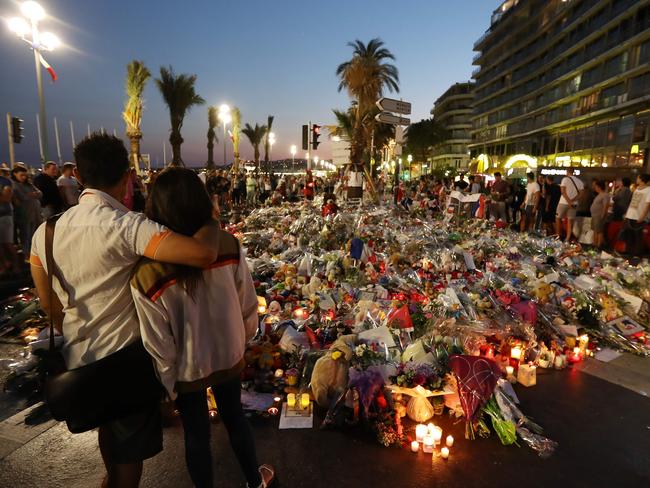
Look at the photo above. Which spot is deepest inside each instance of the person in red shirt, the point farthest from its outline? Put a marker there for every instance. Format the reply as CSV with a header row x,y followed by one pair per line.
x,y
310,186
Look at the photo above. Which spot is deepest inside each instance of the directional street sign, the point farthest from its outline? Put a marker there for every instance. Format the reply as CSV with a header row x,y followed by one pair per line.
x,y
388,118
392,105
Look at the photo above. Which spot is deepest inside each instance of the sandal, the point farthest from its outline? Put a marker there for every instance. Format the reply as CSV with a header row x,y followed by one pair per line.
x,y
267,474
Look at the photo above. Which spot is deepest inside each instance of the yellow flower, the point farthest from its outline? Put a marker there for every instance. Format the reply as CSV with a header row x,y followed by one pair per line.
x,y
336,355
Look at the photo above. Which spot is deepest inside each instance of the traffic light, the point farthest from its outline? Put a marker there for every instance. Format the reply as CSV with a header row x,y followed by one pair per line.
x,y
17,129
305,137
315,134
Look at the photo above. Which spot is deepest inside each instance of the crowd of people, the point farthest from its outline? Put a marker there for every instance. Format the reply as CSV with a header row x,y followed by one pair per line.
x,y
570,208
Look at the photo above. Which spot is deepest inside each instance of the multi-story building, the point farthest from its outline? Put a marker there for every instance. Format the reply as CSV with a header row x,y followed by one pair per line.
x,y
563,82
453,111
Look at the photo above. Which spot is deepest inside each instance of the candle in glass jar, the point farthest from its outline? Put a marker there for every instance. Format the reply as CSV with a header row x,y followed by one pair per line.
x,y
436,434
444,452
428,444
420,431
415,446
291,400
449,441
515,353
304,400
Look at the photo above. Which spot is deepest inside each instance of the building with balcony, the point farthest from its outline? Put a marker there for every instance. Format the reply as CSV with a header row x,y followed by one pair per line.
x,y
453,111
563,82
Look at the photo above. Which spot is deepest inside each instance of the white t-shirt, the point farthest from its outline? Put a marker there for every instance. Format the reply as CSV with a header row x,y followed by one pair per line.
x,y
640,198
69,188
572,189
531,189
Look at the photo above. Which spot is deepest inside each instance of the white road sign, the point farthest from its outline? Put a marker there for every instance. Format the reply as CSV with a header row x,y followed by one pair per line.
x,y
392,105
388,118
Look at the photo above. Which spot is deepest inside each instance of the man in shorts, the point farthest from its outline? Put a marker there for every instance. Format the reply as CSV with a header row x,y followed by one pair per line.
x,y
570,187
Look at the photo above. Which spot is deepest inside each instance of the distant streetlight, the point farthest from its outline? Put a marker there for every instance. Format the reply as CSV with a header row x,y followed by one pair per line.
x,y
271,142
38,42
225,118
293,150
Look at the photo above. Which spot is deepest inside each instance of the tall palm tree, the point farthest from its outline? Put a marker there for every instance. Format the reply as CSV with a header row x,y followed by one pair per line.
x,y
212,136
236,135
365,77
180,96
267,145
137,76
344,127
255,136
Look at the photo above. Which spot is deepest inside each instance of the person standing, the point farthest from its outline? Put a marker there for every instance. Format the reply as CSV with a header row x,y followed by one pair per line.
x,y
637,214
251,185
499,192
68,186
551,200
570,189
9,259
530,204
51,201
96,247
27,207
196,324
621,198
598,211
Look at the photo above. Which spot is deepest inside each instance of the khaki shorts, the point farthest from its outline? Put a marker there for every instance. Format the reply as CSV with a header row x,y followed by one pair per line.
x,y
564,210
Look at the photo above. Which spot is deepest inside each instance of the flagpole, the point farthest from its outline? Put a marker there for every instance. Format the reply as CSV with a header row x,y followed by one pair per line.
x,y
72,135
42,127
40,139
58,142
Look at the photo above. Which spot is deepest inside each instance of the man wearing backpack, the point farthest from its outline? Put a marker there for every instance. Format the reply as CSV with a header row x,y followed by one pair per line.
x,y
570,187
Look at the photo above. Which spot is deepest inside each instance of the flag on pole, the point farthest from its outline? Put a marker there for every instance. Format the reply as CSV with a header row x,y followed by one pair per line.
x,y
49,68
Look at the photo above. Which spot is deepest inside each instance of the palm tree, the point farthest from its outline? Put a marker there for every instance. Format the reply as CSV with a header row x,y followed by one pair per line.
x,y
365,77
267,145
180,96
236,135
344,127
212,136
255,136
137,75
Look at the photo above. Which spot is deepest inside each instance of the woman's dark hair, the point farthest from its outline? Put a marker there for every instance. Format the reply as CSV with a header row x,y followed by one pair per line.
x,y
179,201
645,177
16,170
600,184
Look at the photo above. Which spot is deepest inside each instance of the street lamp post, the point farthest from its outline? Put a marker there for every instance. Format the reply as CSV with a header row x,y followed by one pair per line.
x,y
38,42
271,137
225,118
293,150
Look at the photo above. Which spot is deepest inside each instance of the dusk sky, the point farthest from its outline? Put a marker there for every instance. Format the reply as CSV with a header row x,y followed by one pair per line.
x,y
265,57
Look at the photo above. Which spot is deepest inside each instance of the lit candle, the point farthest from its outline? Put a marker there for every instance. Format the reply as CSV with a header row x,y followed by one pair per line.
x,y
299,313
304,400
431,427
261,309
444,452
291,400
510,374
420,431
415,446
273,411
437,435
428,444
515,353
277,399
278,373
449,441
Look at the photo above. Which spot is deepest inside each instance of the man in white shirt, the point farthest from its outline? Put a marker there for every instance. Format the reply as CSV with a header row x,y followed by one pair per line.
x,y
531,202
570,187
637,215
96,246
68,186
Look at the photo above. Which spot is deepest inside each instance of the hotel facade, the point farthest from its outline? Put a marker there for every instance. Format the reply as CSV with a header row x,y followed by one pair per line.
x,y
453,111
563,83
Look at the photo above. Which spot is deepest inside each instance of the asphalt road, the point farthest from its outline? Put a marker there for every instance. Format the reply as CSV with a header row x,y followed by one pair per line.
x,y
603,432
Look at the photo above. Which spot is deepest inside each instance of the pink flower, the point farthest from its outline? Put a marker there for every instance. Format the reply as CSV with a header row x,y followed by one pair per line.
x,y
419,379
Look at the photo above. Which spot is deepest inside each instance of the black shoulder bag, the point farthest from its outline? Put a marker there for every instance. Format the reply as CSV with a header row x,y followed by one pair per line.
x,y
113,387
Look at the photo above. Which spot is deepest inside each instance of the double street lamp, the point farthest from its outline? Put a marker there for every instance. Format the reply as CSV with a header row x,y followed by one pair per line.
x,y
28,31
225,118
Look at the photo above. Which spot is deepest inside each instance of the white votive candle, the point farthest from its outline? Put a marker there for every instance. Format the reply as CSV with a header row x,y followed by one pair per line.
x,y
420,431
415,446
449,441
444,452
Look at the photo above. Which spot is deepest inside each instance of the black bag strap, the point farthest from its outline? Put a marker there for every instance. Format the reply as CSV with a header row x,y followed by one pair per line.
x,y
51,267
575,186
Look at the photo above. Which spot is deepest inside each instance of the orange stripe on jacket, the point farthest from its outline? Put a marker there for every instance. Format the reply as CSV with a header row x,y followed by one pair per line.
x,y
154,244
